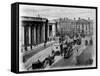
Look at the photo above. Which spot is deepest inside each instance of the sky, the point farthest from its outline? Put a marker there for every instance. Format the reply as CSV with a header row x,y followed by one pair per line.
x,y
52,12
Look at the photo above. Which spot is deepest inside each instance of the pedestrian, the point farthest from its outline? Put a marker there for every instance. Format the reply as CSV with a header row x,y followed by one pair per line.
x,y
61,49
77,50
45,43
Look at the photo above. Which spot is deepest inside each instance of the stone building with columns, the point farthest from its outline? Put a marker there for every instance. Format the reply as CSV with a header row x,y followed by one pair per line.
x,y
84,26
34,31
52,29
68,26
37,30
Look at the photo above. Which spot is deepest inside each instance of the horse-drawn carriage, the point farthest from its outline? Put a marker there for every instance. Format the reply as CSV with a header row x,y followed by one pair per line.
x,y
43,64
68,50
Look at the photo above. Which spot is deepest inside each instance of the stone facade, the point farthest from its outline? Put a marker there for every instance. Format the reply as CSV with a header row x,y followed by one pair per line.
x,y
66,25
34,31
52,27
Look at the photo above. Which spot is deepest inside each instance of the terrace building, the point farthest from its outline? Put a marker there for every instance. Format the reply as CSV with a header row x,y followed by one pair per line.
x,y
66,26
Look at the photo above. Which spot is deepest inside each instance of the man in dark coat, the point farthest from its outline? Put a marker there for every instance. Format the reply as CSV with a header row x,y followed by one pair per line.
x,y
45,43
61,49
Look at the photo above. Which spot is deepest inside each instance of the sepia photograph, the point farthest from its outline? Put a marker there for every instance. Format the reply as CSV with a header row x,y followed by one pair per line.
x,y
56,37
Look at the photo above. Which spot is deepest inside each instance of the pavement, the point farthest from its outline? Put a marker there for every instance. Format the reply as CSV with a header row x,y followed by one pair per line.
x,y
41,55
29,54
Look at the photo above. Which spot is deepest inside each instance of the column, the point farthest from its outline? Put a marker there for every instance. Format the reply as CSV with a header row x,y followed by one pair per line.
x,y
82,28
34,34
30,36
89,27
78,27
86,29
43,31
38,34
21,34
53,30
56,29
48,30
46,27
75,26
26,36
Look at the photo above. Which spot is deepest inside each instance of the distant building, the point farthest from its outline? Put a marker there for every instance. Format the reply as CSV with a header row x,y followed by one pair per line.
x,y
66,26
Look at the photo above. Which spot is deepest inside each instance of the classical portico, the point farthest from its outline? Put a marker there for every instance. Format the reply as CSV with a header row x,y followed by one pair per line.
x,y
52,29
34,31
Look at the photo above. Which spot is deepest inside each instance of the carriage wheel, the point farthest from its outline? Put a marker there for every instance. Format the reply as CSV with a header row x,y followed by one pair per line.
x,y
46,63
